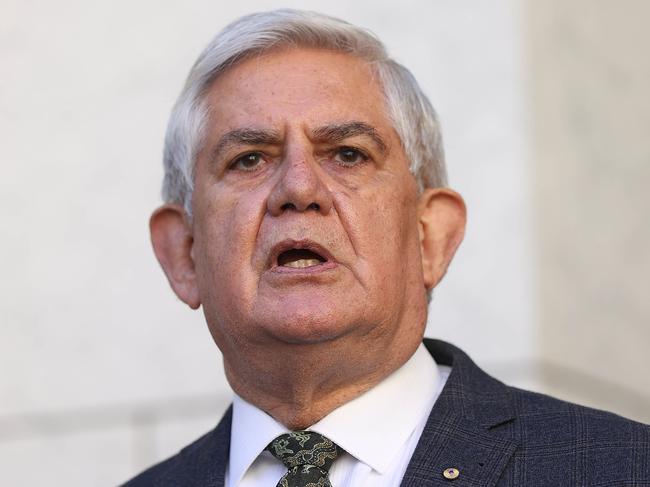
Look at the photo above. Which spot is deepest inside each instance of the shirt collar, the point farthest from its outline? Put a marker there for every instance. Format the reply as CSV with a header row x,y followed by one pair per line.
x,y
366,427
251,431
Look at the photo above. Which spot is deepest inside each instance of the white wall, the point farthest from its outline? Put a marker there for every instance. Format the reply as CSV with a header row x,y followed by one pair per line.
x,y
102,370
590,87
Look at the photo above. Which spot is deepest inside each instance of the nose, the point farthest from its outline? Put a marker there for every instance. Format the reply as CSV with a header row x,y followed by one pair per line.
x,y
300,187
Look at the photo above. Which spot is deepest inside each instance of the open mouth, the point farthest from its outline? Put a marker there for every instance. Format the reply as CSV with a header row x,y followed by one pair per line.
x,y
300,258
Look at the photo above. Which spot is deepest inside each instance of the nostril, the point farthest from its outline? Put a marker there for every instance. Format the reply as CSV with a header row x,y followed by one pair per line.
x,y
291,206
288,206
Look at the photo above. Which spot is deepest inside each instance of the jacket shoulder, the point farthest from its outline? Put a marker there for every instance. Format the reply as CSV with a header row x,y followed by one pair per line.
x,y
561,419
592,447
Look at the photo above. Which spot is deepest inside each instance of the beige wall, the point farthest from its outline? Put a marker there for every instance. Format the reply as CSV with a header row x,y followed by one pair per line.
x,y
590,94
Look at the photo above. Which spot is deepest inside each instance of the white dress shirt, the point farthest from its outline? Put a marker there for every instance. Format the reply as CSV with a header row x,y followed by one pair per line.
x,y
378,430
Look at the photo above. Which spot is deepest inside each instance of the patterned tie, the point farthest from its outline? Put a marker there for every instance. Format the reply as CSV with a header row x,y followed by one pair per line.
x,y
307,455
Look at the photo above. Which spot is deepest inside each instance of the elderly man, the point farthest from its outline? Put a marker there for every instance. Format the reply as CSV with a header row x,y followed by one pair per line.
x,y
306,213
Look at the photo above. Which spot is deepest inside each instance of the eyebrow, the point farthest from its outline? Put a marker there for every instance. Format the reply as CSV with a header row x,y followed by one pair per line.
x,y
246,136
338,132
332,133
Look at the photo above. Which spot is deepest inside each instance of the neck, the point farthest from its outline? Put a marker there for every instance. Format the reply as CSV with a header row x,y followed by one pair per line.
x,y
312,380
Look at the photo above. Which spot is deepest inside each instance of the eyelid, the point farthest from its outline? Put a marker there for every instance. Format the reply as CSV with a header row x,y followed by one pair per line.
x,y
235,160
363,154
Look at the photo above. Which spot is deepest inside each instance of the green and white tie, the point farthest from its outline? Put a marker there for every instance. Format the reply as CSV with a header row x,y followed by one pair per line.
x,y
307,455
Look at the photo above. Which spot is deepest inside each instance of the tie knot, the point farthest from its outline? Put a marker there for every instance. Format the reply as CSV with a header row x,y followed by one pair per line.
x,y
300,448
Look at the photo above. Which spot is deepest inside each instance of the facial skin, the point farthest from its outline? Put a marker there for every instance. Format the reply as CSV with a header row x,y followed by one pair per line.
x,y
300,154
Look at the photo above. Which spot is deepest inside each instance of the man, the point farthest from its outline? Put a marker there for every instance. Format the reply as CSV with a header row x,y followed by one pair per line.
x,y
306,213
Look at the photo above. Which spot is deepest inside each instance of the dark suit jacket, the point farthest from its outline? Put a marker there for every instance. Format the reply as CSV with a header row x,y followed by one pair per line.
x,y
493,434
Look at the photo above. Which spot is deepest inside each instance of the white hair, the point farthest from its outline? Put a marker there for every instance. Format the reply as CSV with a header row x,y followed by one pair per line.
x,y
411,113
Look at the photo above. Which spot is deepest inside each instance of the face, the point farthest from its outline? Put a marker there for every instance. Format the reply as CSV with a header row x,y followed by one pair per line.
x,y
306,220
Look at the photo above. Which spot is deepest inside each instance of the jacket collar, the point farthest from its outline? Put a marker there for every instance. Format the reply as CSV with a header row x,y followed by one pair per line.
x,y
469,428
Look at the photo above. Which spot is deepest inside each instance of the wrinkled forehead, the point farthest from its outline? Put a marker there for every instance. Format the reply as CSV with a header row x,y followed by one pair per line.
x,y
297,85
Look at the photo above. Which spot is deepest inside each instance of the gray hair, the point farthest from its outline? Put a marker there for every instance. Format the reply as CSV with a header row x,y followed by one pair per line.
x,y
411,113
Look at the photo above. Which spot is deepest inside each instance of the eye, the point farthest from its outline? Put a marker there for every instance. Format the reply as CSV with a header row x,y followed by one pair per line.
x,y
349,156
247,162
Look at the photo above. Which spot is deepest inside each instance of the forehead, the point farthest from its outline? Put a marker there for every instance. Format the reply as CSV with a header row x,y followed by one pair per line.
x,y
297,86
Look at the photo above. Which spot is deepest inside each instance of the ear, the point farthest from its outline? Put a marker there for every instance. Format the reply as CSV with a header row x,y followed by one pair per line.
x,y
171,236
441,222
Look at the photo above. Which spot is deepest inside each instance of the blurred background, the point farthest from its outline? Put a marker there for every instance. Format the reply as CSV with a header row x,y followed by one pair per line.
x,y
545,109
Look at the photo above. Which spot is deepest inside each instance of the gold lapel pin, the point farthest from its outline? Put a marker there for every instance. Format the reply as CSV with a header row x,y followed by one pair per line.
x,y
450,473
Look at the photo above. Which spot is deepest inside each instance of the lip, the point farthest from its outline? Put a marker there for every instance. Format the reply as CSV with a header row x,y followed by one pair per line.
x,y
305,244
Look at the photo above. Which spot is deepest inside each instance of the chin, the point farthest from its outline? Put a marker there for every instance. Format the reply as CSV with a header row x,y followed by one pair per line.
x,y
297,321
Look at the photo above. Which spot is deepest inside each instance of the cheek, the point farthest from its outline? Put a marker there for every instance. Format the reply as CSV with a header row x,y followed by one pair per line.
x,y
381,227
390,224
225,235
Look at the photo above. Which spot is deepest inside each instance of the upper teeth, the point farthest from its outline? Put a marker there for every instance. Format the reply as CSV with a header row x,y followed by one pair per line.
x,y
302,263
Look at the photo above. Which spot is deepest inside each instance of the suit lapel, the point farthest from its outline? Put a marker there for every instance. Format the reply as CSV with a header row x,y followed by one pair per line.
x,y
469,428
215,472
